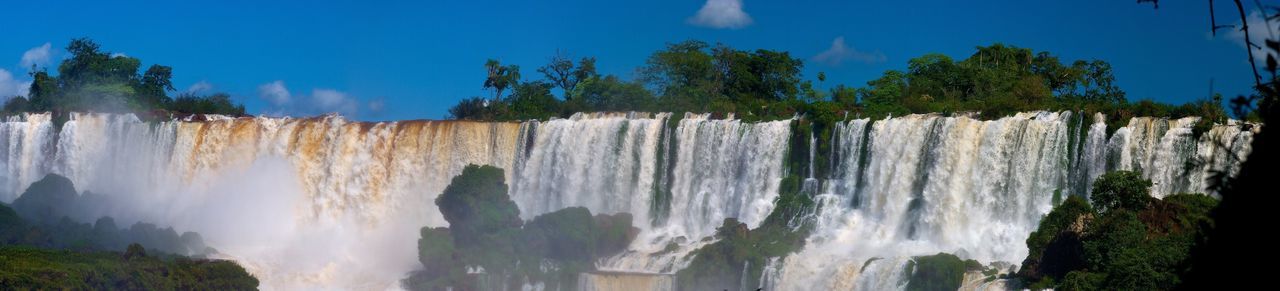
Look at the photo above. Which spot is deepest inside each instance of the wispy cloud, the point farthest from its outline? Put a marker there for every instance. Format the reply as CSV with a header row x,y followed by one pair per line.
x,y
721,14
329,100
1259,30
10,87
839,53
37,56
275,93
377,105
198,87
320,101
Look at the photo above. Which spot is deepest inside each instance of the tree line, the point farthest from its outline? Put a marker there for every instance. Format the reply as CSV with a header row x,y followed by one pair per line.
x,y
95,80
695,76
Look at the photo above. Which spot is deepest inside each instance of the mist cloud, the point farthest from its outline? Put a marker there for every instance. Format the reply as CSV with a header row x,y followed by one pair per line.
x,y
198,87
839,53
10,87
320,101
36,56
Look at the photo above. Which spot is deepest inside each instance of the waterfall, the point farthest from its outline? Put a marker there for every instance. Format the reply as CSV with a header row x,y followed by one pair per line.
x,y
705,170
923,184
324,201
612,281
26,143
299,202
605,162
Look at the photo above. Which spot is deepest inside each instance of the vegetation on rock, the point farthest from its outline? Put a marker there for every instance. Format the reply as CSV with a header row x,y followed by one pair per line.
x,y
1130,242
42,248
721,265
486,233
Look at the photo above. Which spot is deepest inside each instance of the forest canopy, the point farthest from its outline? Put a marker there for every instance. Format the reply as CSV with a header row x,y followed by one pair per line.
x,y
695,76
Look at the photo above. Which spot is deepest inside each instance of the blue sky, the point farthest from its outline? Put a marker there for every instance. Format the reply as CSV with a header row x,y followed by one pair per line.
x,y
409,60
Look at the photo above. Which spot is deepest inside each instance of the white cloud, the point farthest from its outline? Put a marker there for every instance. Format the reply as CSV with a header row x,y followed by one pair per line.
x,y
10,87
841,52
333,101
1259,30
721,14
199,87
275,93
320,101
38,56
116,55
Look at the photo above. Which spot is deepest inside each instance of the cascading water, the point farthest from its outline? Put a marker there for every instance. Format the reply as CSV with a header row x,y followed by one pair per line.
x,y
300,202
611,162
328,202
923,184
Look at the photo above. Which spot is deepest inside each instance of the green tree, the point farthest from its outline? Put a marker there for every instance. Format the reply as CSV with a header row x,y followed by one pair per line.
x,y
561,72
533,100
1121,190
155,83
477,108
845,95
611,93
476,203
500,77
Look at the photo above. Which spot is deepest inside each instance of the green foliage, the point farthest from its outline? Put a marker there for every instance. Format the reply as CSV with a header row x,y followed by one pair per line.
x,y
12,227
720,265
79,258
442,264
486,230
1055,247
572,234
48,215
219,103
565,234
1081,280
36,268
500,77
1136,244
476,205
1121,190
532,100
610,93
938,272
694,76
95,80
561,72
478,108
15,105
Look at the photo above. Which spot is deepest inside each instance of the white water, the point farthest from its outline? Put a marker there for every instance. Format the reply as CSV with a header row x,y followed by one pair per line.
x,y
923,184
609,163
302,203
328,203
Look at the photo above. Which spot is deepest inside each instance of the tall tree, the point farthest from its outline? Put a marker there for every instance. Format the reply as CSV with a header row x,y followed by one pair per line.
x,y
500,77
561,72
155,83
